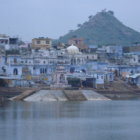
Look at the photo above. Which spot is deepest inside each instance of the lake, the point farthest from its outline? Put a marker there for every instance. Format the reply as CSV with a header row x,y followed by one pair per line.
x,y
91,120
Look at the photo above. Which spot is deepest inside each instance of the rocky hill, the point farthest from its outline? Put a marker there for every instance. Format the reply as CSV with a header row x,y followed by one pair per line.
x,y
103,29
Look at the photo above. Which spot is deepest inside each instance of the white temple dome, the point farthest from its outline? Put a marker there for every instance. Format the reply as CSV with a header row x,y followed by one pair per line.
x,y
73,50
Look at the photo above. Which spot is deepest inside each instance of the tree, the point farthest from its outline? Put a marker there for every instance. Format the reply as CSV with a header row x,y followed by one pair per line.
x,y
12,52
3,83
70,31
72,69
79,25
90,16
74,82
111,12
74,36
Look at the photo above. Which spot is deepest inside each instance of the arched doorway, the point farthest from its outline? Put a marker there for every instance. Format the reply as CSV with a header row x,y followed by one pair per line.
x,y
72,69
62,78
15,71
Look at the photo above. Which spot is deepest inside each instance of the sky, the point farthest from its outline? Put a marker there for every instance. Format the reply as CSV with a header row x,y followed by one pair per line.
x,y
29,19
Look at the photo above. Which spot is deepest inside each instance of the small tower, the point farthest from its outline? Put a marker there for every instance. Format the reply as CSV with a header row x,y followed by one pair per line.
x,y
59,77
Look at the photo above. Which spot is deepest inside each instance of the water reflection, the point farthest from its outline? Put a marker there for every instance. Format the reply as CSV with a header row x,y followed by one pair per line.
x,y
107,120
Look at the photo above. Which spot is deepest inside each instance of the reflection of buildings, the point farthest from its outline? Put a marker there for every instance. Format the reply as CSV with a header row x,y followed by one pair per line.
x,y
41,43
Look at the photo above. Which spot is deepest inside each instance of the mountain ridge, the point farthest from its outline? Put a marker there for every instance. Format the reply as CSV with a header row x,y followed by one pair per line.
x,y
103,29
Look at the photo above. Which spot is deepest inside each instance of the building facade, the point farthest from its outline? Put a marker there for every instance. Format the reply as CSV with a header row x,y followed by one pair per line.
x,y
41,43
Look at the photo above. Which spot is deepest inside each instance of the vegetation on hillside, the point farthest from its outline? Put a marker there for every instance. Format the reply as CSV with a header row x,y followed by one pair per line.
x,y
103,29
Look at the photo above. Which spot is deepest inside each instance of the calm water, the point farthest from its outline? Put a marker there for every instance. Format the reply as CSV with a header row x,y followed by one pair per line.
x,y
98,120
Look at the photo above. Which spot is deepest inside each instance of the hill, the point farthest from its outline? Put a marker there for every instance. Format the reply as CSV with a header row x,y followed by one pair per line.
x,y
103,29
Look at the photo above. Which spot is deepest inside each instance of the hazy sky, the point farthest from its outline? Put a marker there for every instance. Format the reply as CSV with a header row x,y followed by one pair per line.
x,y
53,18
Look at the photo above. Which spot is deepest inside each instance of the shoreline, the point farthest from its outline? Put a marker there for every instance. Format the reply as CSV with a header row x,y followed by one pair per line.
x,y
118,95
118,90
6,93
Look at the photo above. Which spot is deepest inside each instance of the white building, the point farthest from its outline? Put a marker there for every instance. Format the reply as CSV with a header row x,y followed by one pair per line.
x,y
42,64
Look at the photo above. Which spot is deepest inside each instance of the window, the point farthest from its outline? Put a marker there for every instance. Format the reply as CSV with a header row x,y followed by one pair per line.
x,y
40,70
3,68
62,78
47,42
76,41
43,70
6,41
78,60
15,71
15,60
38,41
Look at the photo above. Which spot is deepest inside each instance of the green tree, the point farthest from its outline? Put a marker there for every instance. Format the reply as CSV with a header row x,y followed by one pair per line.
x,y
79,25
74,82
90,17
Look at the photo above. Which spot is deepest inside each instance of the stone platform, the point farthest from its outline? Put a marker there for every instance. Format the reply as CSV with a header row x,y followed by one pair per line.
x,y
65,95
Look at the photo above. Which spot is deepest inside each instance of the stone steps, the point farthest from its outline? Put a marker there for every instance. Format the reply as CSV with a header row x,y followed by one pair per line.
x,y
74,95
59,95
47,95
92,95
23,95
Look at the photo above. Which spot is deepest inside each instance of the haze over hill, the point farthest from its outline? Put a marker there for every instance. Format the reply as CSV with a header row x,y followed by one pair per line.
x,y
103,29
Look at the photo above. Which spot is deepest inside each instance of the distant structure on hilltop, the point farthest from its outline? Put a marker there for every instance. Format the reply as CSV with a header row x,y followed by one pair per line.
x,y
41,43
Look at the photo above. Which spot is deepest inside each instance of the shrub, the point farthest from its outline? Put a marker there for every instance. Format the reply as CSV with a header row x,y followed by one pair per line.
x,y
74,82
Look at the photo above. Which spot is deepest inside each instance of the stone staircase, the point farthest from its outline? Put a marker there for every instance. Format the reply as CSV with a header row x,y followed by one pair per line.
x,y
74,95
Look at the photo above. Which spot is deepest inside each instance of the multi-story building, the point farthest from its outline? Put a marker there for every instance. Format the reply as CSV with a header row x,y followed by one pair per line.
x,y
41,43
9,42
4,39
79,42
44,65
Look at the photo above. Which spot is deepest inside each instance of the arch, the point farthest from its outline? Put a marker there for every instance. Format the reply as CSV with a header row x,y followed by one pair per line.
x,y
45,70
15,60
62,78
74,60
15,71
3,69
41,71
71,61
78,60
72,69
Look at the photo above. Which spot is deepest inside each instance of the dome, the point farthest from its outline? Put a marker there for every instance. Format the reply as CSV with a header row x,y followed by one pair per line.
x,y
73,50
